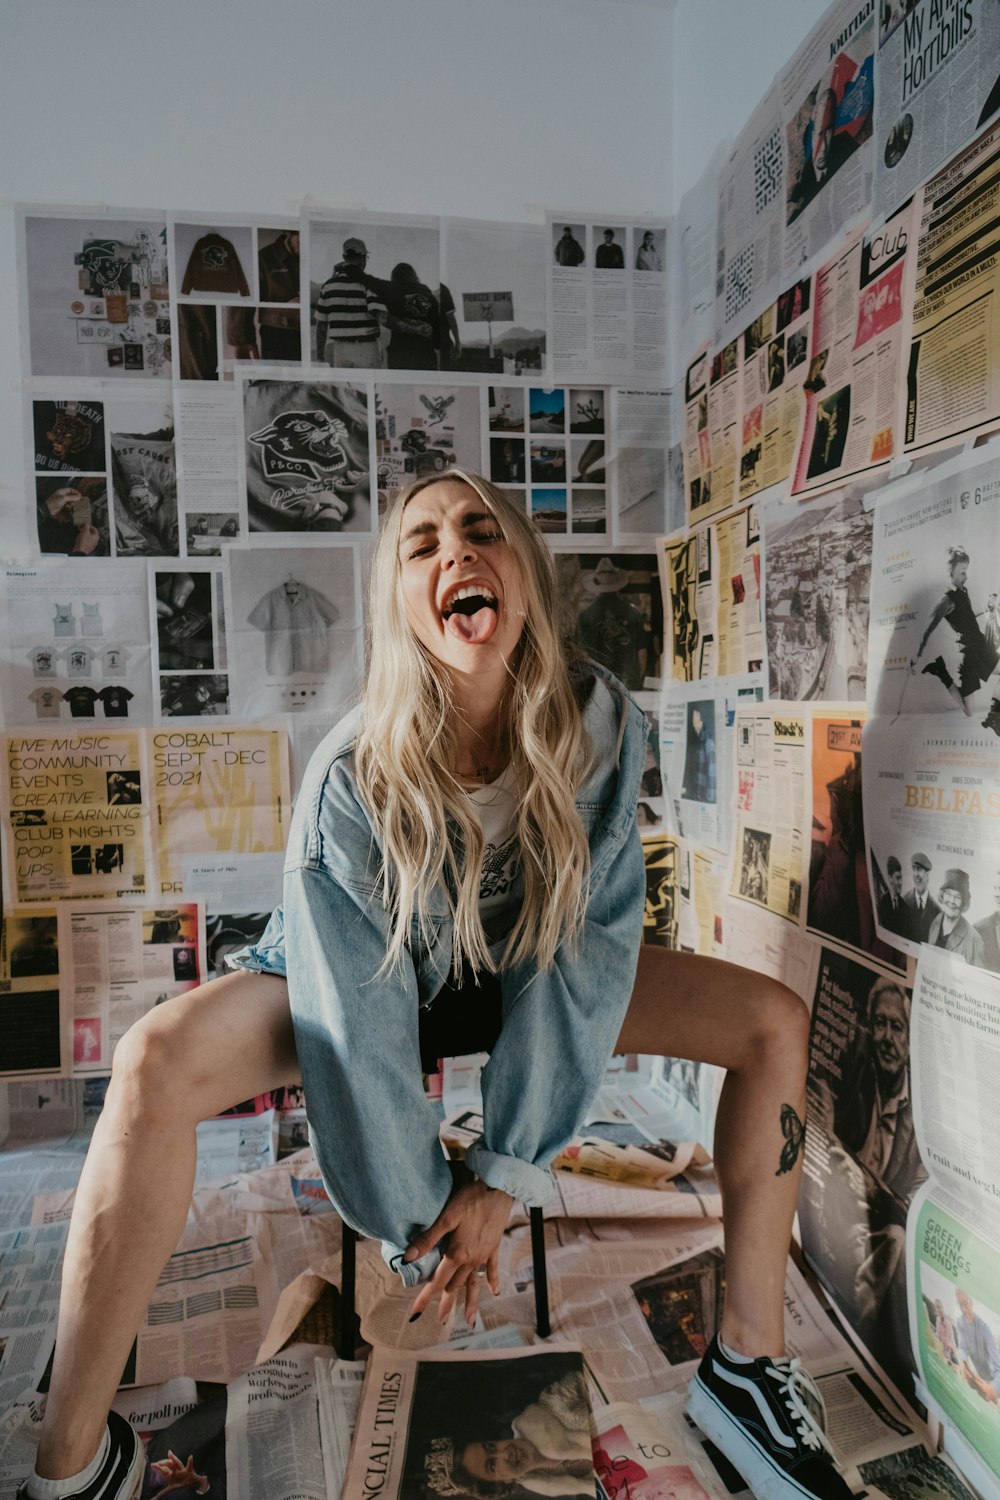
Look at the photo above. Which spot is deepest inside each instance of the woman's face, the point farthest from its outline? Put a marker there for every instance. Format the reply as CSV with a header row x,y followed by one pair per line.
x,y
499,1462
960,572
460,580
951,901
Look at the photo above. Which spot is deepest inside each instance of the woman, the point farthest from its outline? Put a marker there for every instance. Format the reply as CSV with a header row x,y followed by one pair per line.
x,y
949,928
475,736
548,1452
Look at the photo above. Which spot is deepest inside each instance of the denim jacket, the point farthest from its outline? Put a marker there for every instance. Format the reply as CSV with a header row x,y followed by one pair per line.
x,y
373,1129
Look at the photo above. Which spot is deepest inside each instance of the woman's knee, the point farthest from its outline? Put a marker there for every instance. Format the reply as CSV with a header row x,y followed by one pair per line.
x,y
150,1064
780,1028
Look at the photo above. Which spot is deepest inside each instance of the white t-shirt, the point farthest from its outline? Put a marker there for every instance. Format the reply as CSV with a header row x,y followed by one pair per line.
x,y
495,808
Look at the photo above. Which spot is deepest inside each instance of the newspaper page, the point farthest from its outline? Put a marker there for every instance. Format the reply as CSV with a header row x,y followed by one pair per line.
x,y
858,1181
932,788
338,1388
770,811
67,492
208,467
696,445
855,366
828,99
750,206
550,447
703,926
661,914
33,1039
697,739
773,374
273,1448
607,292
217,791
817,582
952,386
492,298
78,814
124,961
740,630
294,623
190,649
688,573
954,1239
758,940
644,1455
900,1475
642,431
937,83
431,1420
94,293
613,607
425,426
839,903
75,643
696,227
720,483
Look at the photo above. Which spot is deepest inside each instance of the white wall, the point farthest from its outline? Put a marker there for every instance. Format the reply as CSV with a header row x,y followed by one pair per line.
x,y
487,108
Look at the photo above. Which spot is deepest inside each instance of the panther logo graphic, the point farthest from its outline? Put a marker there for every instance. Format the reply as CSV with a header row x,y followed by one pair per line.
x,y
214,255
310,443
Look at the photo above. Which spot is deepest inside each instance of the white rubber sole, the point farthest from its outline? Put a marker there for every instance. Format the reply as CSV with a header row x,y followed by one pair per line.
x,y
764,1478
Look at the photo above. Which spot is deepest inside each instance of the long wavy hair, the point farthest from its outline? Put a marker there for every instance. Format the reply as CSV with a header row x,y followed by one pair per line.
x,y
407,749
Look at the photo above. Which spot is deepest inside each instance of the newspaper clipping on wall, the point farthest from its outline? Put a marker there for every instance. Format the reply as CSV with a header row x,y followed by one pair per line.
x,y
932,782
774,374
855,360
687,581
33,1036
751,199
952,386
770,811
828,99
938,83
607,297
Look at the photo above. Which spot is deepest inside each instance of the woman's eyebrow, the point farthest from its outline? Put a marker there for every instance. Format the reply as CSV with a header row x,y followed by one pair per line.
x,y
427,528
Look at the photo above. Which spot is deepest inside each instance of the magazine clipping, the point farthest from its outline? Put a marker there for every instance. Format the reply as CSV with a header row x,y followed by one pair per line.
x,y
770,810
775,368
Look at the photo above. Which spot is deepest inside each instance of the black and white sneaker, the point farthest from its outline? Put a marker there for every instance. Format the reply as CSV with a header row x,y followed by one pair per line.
x,y
767,1417
119,1475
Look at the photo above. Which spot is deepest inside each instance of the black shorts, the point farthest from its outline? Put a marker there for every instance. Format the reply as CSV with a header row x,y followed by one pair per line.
x,y
463,1017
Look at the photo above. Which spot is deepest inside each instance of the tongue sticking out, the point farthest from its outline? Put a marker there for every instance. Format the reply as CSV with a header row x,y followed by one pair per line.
x,y
478,626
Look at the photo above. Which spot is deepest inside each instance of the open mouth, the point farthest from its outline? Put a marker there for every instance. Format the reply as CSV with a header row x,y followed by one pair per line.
x,y
470,613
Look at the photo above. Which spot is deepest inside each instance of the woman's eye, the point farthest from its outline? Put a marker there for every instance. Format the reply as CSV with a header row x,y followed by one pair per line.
x,y
421,552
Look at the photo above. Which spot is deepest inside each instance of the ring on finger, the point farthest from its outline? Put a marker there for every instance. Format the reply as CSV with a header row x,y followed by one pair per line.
x,y
481,1271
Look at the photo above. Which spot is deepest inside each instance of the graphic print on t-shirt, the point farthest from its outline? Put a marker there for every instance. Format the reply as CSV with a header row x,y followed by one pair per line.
x,y
81,701
499,869
116,701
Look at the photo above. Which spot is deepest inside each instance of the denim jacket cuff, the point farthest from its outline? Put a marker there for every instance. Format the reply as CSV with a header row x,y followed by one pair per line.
x,y
532,1186
413,1272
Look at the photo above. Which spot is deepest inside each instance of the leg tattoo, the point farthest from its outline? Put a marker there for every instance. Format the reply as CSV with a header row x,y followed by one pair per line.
x,y
794,1132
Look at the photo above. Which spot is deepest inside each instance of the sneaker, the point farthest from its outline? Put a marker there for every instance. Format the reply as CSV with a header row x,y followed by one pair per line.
x,y
767,1417
119,1476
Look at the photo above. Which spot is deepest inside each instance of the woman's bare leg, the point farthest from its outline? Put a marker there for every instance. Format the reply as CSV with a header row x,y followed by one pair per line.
x,y
715,1012
182,1063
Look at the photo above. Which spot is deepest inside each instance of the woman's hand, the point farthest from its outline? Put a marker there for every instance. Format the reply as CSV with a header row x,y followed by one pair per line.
x,y
474,1219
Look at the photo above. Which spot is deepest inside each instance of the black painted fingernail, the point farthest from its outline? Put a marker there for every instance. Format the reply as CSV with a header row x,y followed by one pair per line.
x,y
414,1316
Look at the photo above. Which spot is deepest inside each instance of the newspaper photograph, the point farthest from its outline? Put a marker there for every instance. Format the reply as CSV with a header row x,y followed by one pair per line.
x,y
933,788
294,631
430,1424
697,746
239,293
661,914
549,450
492,297
952,386
725,433
688,582
33,1036
143,477
859,1178
856,358
375,295
68,493
607,291
95,294
124,960
938,83
306,458
75,643
817,582
217,791
774,371
423,429
612,606
77,815
190,650
751,197
828,101
770,811
740,631
839,902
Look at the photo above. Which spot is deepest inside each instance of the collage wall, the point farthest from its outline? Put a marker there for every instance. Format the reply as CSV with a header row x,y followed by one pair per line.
x,y
760,438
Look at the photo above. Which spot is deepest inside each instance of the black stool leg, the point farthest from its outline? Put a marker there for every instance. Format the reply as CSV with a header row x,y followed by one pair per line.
x,y
542,1325
348,1275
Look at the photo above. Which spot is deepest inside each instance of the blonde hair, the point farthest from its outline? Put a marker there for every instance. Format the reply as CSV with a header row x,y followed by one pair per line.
x,y
407,749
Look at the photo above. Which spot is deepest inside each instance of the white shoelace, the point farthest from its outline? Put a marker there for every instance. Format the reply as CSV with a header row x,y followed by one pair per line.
x,y
801,1396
